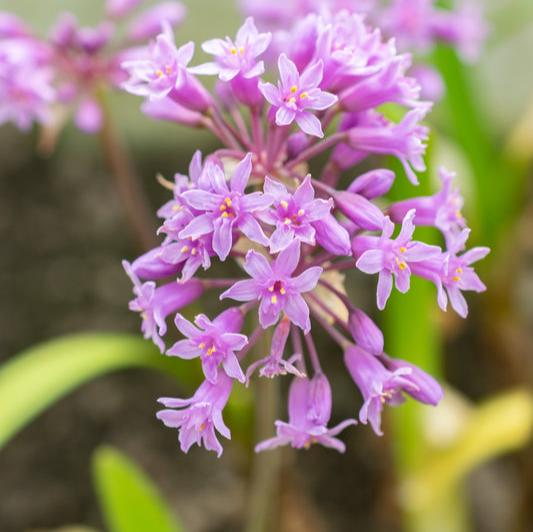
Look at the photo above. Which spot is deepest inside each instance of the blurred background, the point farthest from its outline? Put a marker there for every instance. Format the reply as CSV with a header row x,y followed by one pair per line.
x,y
64,234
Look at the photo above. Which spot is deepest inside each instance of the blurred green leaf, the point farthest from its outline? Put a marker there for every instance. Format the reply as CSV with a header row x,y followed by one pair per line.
x,y
31,381
501,424
129,499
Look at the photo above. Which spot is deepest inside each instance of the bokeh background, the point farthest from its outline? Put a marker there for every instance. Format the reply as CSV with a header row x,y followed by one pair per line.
x,y
63,234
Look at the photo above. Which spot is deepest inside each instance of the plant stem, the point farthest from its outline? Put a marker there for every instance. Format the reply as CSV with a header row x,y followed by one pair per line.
x,y
127,183
266,466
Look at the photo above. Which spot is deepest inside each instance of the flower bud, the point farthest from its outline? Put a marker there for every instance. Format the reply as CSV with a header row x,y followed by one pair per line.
x,y
365,332
373,184
361,211
120,8
150,266
170,111
332,236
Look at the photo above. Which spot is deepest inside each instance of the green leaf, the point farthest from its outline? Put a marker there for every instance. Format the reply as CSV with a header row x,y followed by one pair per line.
x,y
33,380
499,425
129,499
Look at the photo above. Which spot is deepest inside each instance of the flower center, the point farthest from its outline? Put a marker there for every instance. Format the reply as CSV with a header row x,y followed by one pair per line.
x,y
289,214
227,209
276,290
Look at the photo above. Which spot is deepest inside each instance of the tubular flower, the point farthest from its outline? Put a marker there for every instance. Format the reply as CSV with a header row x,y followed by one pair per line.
x,y
309,414
286,227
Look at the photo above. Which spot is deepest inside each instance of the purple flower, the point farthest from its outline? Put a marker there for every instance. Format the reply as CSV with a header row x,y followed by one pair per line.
x,y
425,388
200,415
293,214
377,384
215,342
151,266
274,364
239,57
391,258
162,71
452,273
156,303
274,286
226,208
390,84
295,95
442,210
26,91
309,414
405,140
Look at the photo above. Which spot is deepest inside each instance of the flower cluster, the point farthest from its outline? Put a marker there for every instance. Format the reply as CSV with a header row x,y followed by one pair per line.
x,y
416,25
46,80
291,233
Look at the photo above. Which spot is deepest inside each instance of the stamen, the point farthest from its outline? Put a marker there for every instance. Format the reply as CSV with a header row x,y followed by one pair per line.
x,y
284,204
301,212
228,201
456,278
201,345
270,288
274,299
292,100
159,73
168,69
241,50
294,89
304,95
233,51
194,251
403,249
287,221
282,291
224,214
211,350
459,270
222,207
184,249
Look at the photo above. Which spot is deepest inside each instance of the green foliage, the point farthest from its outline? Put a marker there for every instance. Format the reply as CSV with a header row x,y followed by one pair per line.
x,y
33,380
128,498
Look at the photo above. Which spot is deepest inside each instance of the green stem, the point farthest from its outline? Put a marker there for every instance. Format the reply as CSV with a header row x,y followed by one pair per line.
x,y
266,466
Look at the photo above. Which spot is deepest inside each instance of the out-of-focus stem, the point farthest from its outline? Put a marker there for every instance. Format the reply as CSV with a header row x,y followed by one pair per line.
x,y
127,182
264,485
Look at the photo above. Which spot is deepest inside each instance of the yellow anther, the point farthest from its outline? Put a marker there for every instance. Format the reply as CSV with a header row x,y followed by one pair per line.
x,y
241,50
227,201
459,270
159,73
224,214
403,249
270,288
168,69
201,428
294,89
287,221
233,51
304,95
143,315
274,299
194,251
292,100
282,291
176,208
456,278
301,212
211,350
184,249
402,265
201,345
284,204
222,207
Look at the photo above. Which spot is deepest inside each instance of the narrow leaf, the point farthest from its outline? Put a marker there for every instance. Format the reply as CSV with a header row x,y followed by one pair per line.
x,y
129,499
